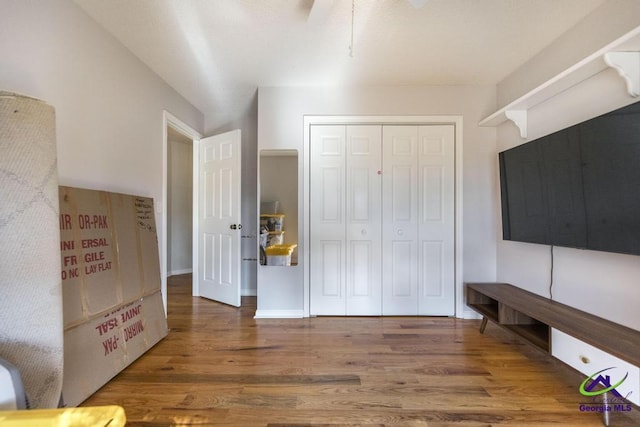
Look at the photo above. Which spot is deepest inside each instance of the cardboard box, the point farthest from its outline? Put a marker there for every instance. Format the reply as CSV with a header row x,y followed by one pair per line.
x,y
112,302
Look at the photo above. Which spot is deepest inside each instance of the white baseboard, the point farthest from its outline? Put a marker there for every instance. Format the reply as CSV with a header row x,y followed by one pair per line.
x,y
279,314
249,292
470,314
177,272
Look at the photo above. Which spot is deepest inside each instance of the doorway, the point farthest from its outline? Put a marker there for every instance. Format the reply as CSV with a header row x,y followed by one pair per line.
x,y
179,203
179,143
215,254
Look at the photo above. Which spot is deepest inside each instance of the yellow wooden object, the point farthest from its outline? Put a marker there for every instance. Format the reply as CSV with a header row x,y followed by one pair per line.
x,y
111,416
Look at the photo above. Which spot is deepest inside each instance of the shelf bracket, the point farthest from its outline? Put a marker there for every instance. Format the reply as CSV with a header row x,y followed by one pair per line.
x,y
519,117
627,64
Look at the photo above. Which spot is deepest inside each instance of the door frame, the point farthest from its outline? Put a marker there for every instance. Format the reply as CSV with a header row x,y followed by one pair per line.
x,y
456,121
169,120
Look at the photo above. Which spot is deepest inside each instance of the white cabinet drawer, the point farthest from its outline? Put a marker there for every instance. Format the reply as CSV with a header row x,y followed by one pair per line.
x,y
590,360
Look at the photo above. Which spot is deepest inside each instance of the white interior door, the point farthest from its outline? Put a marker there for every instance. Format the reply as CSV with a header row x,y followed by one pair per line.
x,y
219,169
419,220
346,220
382,220
327,218
436,220
363,220
400,214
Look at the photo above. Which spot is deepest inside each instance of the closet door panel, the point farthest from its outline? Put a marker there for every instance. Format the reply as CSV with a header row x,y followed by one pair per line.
x,y
364,219
432,263
328,222
436,219
432,203
360,269
331,261
400,220
401,270
402,194
331,180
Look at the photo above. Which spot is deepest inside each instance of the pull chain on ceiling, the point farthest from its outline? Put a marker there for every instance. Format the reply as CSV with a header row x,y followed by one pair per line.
x,y
353,9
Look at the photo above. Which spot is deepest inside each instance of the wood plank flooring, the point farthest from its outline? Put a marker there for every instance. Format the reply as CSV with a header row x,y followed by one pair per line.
x,y
221,367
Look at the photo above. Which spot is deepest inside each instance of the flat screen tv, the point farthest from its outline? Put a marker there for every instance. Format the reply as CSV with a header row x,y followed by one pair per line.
x,y
578,187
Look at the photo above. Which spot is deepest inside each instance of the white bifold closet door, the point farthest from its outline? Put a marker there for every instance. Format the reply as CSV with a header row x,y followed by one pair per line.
x,y
346,240
382,220
418,190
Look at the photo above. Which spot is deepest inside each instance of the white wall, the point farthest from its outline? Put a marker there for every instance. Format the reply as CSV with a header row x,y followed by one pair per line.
x,y
280,126
109,105
180,207
611,20
601,283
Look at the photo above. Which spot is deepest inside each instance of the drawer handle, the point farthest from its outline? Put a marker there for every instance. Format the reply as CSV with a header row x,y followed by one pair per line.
x,y
585,359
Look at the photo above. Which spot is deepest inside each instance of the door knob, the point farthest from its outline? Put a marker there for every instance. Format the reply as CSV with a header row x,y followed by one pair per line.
x,y
234,227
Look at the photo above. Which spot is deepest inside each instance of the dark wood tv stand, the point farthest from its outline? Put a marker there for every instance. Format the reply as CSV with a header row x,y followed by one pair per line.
x,y
531,316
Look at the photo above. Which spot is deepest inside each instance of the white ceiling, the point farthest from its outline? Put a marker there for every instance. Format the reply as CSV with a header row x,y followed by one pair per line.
x,y
216,53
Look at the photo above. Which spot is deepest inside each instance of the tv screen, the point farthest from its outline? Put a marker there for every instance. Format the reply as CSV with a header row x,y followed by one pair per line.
x,y
578,187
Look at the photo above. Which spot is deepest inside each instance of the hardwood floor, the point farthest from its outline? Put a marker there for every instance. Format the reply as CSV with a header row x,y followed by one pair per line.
x,y
219,366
